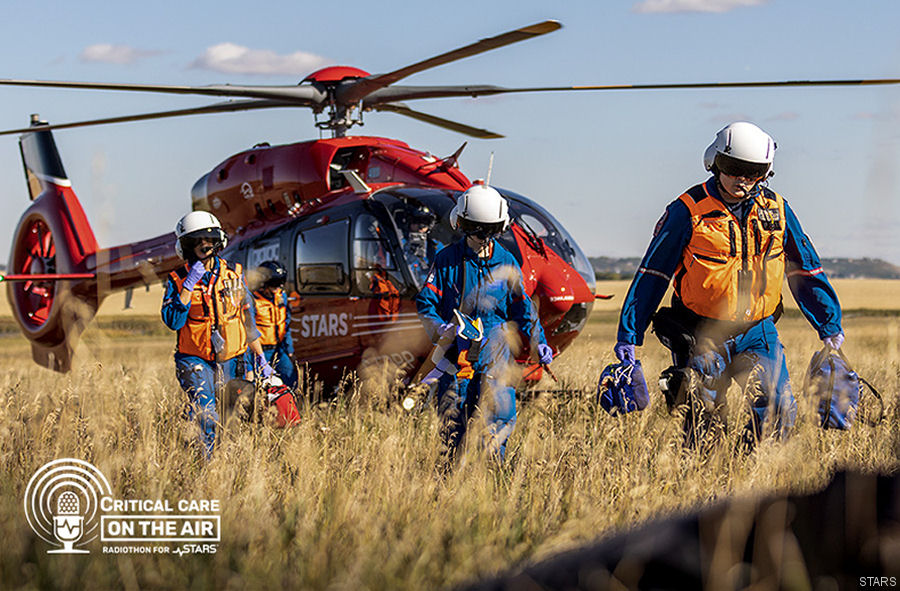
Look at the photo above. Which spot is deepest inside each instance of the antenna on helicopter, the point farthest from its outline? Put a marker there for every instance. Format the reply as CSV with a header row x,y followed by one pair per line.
x,y
487,180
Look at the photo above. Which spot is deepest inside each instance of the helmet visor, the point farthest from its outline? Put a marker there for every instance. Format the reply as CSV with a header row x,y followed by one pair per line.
x,y
741,168
190,242
275,281
480,229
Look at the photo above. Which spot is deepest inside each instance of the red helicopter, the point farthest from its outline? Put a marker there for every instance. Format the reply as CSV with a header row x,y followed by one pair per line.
x,y
353,219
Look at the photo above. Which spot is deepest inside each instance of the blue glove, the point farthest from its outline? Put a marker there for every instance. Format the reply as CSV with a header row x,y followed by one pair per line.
x,y
265,369
545,353
625,352
834,341
194,275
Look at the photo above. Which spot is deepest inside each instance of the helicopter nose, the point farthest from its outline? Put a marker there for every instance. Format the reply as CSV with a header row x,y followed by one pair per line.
x,y
556,297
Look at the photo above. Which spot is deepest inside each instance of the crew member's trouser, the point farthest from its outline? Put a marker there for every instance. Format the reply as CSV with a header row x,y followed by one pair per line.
x,y
758,354
281,362
457,400
197,377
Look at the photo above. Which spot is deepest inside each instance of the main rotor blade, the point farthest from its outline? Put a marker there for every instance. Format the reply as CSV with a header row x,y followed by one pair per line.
x,y
215,108
361,88
397,93
462,128
291,92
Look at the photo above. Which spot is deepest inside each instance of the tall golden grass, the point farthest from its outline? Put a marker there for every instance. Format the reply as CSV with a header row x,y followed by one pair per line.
x,y
352,498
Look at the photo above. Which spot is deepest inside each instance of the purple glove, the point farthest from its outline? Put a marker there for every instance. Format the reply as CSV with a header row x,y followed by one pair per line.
x,y
264,368
834,341
194,275
545,353
625,353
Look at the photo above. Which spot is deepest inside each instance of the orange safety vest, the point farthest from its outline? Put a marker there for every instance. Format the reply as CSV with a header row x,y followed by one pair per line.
x,y
220,303
271,317
729,271
386,303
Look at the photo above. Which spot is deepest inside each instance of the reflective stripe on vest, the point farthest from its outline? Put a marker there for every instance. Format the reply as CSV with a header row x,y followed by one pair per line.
x,y
729,271
221,302
271,317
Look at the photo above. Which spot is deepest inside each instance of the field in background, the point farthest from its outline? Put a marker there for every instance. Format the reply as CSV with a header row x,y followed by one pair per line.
x,y
351,498
871,294
855,294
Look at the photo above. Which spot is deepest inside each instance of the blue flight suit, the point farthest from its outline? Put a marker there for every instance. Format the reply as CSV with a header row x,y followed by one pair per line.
x,y
757,344
196,375
490,289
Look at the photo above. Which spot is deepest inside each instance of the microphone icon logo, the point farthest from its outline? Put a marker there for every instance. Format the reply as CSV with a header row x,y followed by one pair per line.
x,y
62,504
68,523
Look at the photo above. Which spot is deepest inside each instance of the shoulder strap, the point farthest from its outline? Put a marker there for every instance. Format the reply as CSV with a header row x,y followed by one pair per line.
x,y
877,395
461,282
697,193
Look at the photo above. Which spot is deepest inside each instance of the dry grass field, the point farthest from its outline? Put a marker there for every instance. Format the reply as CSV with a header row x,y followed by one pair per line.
x,y
351,499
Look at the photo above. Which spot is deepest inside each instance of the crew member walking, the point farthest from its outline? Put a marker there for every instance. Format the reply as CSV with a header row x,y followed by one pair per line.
x,y
727,244
207,302
481,279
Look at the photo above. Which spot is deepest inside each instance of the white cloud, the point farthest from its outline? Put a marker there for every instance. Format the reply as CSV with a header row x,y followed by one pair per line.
x,y
114,54
237,59
693,5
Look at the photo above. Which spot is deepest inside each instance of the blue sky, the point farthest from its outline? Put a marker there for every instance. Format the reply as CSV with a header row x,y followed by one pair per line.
x,y
606,164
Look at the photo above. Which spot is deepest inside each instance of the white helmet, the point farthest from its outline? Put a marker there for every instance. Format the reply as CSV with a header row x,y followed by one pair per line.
x,y
195,226
480,210
741,149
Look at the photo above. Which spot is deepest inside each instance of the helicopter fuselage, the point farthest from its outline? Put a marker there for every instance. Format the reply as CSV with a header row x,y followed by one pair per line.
x,y
338,215
342,215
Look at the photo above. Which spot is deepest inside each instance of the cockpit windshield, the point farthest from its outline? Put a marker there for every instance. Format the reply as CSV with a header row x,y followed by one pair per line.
x,y
421,217
536,220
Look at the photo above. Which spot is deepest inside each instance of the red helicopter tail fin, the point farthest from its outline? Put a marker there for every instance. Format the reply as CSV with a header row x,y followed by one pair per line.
x,y
53,255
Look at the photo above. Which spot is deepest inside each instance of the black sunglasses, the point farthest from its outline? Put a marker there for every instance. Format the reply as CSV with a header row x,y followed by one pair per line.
x,y
740,168
480,230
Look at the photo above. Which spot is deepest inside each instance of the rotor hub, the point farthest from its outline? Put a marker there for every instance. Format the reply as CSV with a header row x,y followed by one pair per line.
x,y
335,74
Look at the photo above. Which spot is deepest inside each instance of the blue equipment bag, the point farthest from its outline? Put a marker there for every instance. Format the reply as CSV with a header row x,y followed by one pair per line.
x,y
622,388
838,388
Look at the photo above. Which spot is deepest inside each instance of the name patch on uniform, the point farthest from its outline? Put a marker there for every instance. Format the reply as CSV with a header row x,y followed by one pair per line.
x,y
770,219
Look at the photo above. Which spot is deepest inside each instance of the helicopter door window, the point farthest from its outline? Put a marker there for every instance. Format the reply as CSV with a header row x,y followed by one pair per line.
x,y
322,259
373,263
417,224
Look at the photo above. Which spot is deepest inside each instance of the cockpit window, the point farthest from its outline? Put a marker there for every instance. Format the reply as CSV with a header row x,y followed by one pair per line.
x,y
535,219
535,225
